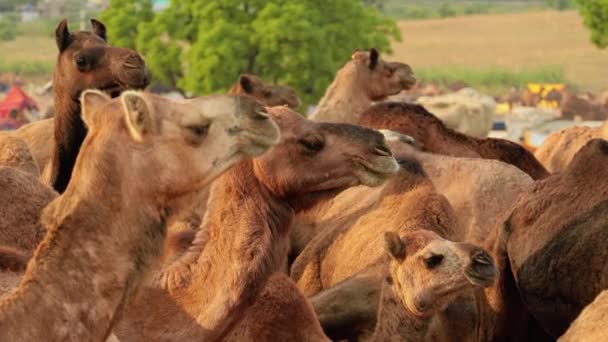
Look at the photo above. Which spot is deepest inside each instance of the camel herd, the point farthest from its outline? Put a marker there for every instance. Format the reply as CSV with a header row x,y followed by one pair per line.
x,y
133,217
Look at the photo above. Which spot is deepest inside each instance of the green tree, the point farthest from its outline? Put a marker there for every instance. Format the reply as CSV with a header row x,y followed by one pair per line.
x,y
8,27
559,4
122,19
202,46
595,14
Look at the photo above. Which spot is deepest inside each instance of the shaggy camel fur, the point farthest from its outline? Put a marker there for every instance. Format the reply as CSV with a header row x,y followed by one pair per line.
x,y
15,153
244,237
434,136
85,61
591,324
479,191
267,94
114,207
556,239
428,276
559,148
39,137
364,79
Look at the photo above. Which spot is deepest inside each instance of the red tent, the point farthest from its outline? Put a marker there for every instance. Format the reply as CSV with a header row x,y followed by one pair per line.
x,y
17,99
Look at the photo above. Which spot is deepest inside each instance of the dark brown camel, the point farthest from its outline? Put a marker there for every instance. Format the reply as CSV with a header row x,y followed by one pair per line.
x,y
433,136
557,239
85,61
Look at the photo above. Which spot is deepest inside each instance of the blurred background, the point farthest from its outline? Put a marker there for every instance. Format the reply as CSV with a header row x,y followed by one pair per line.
x,y
542,62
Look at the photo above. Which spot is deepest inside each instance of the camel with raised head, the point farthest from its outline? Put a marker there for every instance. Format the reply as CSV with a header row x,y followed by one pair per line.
x,y
85,61
471,186
267,94
207,293
556,239
109,225
364,79
559,148
591,323
430,290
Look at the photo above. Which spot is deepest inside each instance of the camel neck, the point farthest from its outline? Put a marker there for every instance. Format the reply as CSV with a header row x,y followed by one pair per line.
x,y
345,99
69,134
97,246
395,323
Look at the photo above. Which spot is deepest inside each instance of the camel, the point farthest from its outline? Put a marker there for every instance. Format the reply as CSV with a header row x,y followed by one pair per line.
x,y
559,147
85,61
421,301
206,293
591,323
268,94
15,153
364,79
471,186
555,239
434,136
114,207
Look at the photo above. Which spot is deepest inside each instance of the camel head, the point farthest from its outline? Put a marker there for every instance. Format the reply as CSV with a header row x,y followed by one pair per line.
x,y
267,94
314,157
428,272
177,146
381,78
86,61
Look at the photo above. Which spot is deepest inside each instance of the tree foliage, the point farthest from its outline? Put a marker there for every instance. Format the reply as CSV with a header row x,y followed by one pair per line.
x,y
122,19
8,27
595,14
202,46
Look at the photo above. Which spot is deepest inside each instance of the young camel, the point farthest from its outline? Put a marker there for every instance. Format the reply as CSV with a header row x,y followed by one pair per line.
x,y
246,226
114,207
267,94
556,239
429,284
364,79
591,323
479,190
85,61
434,136
559,148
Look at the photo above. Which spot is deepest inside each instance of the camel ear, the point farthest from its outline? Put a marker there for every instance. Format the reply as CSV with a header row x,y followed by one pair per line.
x,y
394,245
99,28
373,58
89,100
138,115
246,83
62,35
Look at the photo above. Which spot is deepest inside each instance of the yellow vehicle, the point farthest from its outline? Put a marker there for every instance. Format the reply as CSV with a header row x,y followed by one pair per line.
x,y
543,89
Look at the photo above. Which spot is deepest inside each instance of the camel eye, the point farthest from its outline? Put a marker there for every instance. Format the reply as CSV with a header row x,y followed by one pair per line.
x,y
312,145
81,63
267,94
433,261
199,130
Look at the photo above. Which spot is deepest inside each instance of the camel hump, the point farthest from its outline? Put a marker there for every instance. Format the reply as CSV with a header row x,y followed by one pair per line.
x,y
12,259
14,152
592,153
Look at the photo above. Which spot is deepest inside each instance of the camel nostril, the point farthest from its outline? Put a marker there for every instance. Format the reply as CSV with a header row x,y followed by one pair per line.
x,y
383,150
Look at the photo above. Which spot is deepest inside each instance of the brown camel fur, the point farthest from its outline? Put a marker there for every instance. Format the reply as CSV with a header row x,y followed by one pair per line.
x,y
591,324
39,137
434,136
471,185
114,208
421,298
364,79
15,153
244,236
85,61
559,148
556,239
267,94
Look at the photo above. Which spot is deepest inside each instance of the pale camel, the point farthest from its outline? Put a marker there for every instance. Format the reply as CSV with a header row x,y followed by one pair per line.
x,y
267,94
422,297
85,61
364,79
591,324
114,207
471,185
559,148
244,237
434,136
556,239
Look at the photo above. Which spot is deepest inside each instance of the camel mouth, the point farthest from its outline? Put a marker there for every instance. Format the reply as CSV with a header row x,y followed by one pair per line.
x,y
256,143
482,271
374,174
113,90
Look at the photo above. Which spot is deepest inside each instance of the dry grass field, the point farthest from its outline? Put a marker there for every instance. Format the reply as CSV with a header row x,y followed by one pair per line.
x,y
521,41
